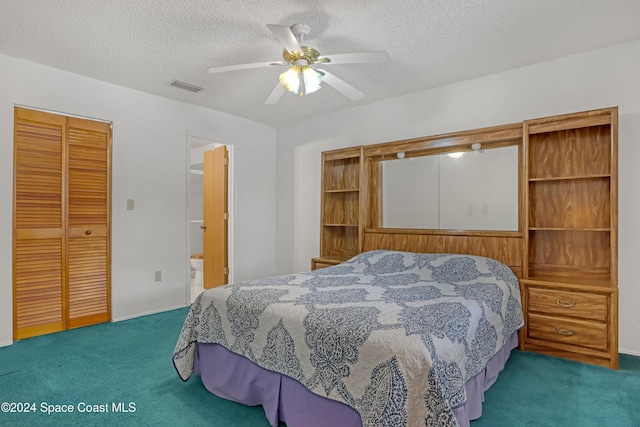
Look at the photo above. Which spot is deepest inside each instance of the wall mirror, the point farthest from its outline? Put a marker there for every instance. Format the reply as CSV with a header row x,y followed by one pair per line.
x,y
469,190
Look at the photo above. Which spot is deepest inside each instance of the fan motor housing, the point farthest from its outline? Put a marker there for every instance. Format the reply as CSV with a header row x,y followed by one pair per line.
x,y
308,53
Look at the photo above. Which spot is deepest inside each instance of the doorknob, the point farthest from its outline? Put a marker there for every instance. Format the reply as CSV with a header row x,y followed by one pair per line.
x,y
203,227
88,232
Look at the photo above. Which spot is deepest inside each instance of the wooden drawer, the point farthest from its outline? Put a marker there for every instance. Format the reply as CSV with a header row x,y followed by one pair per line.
x,y
568,331
565,303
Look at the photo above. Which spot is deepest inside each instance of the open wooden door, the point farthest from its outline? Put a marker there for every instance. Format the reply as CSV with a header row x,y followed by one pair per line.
x,y
215,217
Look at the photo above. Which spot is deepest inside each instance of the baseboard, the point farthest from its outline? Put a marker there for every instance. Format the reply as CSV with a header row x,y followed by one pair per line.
x,y
146,313
119,319
629,352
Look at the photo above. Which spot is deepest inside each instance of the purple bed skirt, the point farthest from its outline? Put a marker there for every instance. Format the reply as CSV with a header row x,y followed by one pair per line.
x,y
236,378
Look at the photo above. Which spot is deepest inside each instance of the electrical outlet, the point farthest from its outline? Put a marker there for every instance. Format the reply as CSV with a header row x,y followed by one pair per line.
x,y
130,204
158,276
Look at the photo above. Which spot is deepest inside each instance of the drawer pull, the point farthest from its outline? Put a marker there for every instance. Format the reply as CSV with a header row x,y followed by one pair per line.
x,y
565,304
565,332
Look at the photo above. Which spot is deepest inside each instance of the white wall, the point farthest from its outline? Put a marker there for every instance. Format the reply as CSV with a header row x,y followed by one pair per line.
x,y
149,162
596,79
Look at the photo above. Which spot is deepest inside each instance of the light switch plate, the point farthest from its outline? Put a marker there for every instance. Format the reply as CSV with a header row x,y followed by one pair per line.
x,y
130,204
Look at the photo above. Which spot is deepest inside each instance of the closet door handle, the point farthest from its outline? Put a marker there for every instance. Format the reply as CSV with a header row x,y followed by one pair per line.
x,y
565,332
566,304
203,227
88,232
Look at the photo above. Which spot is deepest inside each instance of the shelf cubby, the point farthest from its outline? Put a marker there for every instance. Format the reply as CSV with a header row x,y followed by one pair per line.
x,y
340,229
583,151
570,203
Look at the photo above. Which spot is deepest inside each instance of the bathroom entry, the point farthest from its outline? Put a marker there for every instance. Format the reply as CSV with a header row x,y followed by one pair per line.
x,y
215,217
209,245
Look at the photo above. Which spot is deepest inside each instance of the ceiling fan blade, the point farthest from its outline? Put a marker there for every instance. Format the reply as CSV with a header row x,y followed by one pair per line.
x,y
286,37
341,86
214,70
275,94
358,57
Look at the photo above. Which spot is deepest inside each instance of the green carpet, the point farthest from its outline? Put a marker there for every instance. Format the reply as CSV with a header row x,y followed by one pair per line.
x,y
129,362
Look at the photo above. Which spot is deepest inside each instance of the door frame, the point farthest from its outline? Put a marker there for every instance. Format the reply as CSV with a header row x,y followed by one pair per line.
x,y
201,144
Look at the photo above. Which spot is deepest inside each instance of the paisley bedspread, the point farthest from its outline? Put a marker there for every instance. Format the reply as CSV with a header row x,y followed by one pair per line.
x,y
394,335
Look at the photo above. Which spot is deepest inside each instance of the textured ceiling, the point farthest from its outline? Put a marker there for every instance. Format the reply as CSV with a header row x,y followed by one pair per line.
x,y
144,44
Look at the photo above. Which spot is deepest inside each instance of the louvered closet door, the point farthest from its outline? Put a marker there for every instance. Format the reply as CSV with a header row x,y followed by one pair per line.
x,y
38,244
88,222
62,205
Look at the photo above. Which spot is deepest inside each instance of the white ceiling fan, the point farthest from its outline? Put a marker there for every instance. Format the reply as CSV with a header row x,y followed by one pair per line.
x,y
303,77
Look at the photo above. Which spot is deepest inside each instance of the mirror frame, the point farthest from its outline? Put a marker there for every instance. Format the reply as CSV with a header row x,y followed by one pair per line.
x,y
491,137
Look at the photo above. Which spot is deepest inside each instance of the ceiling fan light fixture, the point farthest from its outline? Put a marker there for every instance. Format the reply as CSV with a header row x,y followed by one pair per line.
x,y
290,79
301,80
312,79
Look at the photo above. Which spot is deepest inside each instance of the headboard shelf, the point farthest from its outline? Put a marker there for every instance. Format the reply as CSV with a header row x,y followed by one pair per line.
x,y
488,233
497,135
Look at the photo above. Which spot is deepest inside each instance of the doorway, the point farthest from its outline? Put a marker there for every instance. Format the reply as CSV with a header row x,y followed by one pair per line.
x,y
209,250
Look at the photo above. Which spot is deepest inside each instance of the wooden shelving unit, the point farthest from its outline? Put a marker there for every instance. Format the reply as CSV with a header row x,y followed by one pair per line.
x,y
340,228
570,276
565,252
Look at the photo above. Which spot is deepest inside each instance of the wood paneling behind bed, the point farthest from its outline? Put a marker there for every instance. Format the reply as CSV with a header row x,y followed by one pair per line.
x,y
505,247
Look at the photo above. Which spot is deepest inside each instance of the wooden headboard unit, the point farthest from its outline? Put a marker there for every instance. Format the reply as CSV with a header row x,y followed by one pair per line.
x,y
564,250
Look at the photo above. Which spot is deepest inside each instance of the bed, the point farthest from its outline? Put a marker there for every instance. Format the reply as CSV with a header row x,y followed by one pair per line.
x,y
387,338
